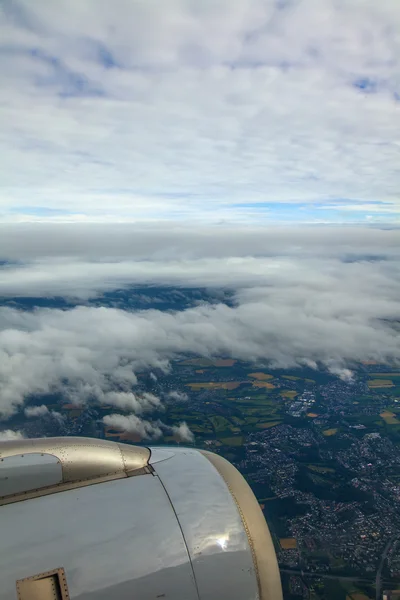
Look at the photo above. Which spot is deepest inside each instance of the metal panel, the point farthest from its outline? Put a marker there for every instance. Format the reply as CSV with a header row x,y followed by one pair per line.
x,y
160,454
27,472
119,539
84,461
215,537
51,585
260,540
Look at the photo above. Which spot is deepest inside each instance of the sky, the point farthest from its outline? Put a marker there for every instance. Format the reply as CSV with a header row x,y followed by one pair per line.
x,y
220,111
242,145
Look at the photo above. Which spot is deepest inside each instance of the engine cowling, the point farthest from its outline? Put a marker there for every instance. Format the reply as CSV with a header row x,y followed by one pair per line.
x,y
100,520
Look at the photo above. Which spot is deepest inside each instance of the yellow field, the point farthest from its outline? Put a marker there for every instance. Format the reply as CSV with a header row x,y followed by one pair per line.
x,y
268,424
263,384
288,543
288,394
380,383
384,374
312,415
329,432
261,376
389,417
224,362
215,385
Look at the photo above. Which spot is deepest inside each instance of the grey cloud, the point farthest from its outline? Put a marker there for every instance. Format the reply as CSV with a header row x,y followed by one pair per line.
x,y
231,257
176,241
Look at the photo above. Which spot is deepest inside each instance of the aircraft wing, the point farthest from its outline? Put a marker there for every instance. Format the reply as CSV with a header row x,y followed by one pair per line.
x,y
89,519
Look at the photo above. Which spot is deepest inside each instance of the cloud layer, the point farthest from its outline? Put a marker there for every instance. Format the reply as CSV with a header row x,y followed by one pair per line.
x,y
231,110
93,351
298,296
83,261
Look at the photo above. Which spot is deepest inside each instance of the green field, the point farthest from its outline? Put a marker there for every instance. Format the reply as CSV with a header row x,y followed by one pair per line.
x,y
232,441
222,424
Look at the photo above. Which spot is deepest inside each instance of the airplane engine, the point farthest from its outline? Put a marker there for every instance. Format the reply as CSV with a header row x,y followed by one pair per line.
x,y
90,519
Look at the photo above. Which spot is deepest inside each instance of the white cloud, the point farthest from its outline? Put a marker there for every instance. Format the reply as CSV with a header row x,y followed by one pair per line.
x,y
148,429
145,402
142,111
8,435
182,433
60,418
332,317
36,411
178,396
134,424
299,297
343,373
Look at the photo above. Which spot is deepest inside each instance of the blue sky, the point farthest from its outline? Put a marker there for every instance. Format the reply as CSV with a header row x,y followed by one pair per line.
x,y
214,111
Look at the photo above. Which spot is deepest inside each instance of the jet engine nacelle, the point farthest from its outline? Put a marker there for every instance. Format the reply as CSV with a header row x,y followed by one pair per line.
x,y
90,519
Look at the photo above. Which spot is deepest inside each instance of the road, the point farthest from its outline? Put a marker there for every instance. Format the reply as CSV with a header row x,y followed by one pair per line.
x,y
325,576
337,577
378,580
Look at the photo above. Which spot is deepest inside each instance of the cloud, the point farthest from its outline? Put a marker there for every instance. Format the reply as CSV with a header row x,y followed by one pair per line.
x,y
115,243
344,374
147,429
60,418
329,318
145,402
297,296
182,433
134,424
142,112
178,396
9,435
84,261
36,411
